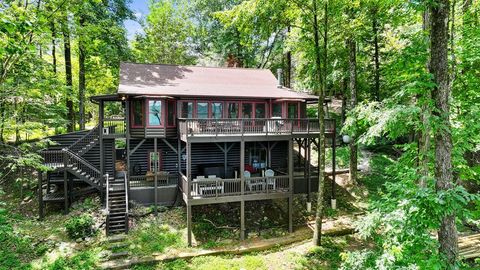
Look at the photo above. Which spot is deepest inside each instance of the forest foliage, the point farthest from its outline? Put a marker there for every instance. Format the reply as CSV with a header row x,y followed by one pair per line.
x,y
55,54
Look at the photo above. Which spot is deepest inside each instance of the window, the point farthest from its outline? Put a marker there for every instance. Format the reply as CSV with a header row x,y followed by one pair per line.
x,y
154,164
260,110
187,109
277,109
247,110
170,113
155,113
137,113
202,110
232,110
292,110
217,110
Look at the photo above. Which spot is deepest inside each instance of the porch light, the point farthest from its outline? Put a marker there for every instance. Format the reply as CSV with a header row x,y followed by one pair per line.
x,y
346,138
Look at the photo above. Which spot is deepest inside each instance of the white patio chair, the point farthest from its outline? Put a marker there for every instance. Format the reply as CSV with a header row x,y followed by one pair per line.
x,y
271,182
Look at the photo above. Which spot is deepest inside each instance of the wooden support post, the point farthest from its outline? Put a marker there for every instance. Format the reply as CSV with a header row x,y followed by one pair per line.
x,y
309,178
40,196
189,170
189,224
290,164
127,141
242,166
155,170
100,130
242,219
290,178
290,213
179,157
65,183
225,157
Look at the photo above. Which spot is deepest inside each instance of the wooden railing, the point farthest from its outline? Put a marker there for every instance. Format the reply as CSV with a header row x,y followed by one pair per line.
x,y
144,181
217,187
65,158
80,146
115,126
246,127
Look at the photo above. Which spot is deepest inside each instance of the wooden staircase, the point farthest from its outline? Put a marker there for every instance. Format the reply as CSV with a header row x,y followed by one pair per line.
x,y
117,205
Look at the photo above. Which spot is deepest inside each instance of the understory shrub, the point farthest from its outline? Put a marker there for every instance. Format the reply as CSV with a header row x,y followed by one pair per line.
x,y
85,260
80,226
15,249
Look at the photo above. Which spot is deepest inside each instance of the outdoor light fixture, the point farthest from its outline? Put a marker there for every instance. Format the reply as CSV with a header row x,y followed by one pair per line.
x,y
346,138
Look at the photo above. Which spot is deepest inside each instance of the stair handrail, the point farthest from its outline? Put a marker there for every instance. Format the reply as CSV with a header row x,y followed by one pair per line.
x,y
82,139
107,210
83,162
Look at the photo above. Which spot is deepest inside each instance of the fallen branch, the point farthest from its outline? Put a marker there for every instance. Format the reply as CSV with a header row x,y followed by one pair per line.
x,y
220,227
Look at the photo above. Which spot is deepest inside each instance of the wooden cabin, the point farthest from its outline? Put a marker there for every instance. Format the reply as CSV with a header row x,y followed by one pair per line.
x,y
198,134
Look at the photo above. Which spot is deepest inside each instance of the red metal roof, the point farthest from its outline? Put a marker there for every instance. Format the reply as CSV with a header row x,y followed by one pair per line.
x,y
194,81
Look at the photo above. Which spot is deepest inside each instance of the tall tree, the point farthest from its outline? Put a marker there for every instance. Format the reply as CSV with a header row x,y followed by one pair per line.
x,y
68,74
376,53
81,76
321,77
167,32
439,11
352,71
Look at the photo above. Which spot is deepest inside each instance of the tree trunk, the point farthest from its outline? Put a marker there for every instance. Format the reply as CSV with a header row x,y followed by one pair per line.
x,y
81,79
376,55
352,67
317,236
54,55
68,77
439,10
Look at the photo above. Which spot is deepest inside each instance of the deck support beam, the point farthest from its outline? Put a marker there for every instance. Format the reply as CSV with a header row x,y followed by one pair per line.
x,y
65,183
127,141
242,220
40,196
155,176
189,224
242,190
290,178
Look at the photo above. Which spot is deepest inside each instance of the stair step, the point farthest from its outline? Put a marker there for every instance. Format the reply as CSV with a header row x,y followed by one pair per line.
x,y
119,245
118,255
116,238
116,225
117,218
118,210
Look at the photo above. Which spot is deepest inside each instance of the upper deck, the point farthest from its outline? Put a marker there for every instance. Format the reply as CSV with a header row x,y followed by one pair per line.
x,y
207,130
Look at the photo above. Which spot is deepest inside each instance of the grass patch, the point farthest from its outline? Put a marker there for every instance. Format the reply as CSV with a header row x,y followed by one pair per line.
x,y
151,236
325,257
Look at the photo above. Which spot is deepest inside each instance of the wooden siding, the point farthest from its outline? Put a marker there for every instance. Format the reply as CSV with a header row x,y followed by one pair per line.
x,y
154,132
140,156
137,132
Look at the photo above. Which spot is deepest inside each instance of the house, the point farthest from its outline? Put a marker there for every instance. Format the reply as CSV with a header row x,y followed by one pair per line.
x,y
199,134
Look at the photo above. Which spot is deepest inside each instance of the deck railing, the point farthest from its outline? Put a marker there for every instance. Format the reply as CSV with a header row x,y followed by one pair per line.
x,y
80,146
218,187
65,158
137,181
114,126
246,127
